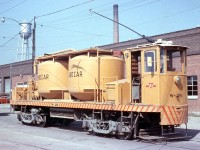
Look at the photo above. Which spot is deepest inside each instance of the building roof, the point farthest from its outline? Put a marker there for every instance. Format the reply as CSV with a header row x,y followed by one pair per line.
x,y
189,38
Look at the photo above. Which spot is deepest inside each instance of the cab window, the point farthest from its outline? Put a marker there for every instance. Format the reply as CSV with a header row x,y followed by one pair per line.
x,y
175,60
150,61
162,63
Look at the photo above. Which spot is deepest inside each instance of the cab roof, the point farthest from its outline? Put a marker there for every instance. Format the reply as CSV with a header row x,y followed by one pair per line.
x,y
160,43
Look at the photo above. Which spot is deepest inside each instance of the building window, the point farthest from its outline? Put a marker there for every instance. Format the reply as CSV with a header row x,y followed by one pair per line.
x,y
7,85
22,84
192,87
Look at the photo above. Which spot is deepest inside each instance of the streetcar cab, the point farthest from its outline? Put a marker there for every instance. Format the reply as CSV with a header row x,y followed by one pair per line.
x,y
157,73
164,79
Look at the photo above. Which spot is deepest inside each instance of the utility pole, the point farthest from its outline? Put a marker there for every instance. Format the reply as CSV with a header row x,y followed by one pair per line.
x,y
33,46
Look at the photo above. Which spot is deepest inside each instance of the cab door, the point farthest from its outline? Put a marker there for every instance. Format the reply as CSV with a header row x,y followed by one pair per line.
x,y
150,75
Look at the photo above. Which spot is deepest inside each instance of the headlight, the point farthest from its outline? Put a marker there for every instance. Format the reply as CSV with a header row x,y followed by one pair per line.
x,y
177,79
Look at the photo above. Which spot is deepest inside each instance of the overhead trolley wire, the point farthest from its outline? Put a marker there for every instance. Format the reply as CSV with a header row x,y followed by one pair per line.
x,y
47,26
169,15
51,13
140,5
86,19
2,3
4,37
13,6
9,40
12,38
82,14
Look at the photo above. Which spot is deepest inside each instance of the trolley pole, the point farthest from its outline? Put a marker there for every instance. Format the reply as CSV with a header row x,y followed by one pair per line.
x,y
143,36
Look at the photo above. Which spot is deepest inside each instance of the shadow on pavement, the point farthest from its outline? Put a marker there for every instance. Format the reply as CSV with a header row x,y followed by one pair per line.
x,y
182,135
74,126
4,114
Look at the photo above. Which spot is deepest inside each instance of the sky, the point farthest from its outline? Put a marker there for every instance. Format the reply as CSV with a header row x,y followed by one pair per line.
x,y
66,24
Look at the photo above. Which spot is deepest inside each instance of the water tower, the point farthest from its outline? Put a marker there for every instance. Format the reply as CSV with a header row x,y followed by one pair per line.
x,y
23,47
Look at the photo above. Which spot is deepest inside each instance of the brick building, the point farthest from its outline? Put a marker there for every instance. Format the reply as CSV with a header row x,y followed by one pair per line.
x,y
20,72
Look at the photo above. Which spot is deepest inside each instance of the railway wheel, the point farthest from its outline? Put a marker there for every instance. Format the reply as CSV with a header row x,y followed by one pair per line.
x,y
25,119
124,135
41,120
